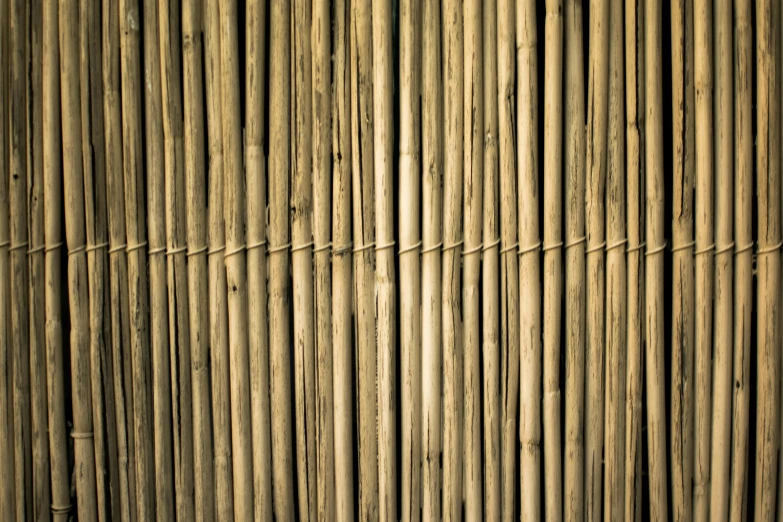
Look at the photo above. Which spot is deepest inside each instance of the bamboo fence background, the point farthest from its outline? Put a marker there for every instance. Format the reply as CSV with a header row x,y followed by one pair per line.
x,y
390,260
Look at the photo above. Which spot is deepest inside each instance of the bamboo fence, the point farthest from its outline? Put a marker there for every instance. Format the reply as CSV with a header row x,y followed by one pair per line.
x,y
380,261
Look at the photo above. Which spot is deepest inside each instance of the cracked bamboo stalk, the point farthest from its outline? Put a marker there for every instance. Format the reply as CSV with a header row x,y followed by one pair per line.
x,y
473,164
720,456
574,261
279,314
410,263
452,244
432,355
530,354
198,297
743,260
256,259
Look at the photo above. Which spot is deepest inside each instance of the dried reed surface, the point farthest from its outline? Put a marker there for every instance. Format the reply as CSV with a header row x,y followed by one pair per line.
x,y
390,260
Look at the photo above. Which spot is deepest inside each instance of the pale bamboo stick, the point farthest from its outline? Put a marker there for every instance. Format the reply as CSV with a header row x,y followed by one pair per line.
x,y
216,238
364,256
722,386
410,263
768,259
509,274
575,261
432,355
683,348
198,297
743,260
473,175
490,275
77,262
530,354
256,259
656,411
279,314
452,244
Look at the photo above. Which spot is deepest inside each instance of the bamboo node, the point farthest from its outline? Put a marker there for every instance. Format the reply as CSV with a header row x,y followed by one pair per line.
x,y
37,249
434,248
92,248
55,246
491,245
118,248
511,248
705,250
531,248
378,248
472,250
616,244
20,246
82,434
278,249
197,251
552,246
596,248
575,242
216,250
636,248
452,246
77,250
60,510
234,251
684,246
364,247
411,248
323,248
656,250
768,249
258,244
175,251
723,250
341,251
747,247
304,246
131,248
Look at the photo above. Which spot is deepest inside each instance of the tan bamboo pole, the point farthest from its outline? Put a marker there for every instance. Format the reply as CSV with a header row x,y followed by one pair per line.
x,y
452,243
574,136
77,262
432,198
509,274
279,314
302,259
218,307
490,273
720,456
256,259
743,262
342,296
473,175
410,263
364,256
683,348
530,355
656,410
614,435
768,260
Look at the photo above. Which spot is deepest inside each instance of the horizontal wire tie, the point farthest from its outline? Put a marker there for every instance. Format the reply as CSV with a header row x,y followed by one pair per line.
x,y
768,249
636,248
37,249
304,246
684,246
4,244
434,248
278,249
452,246
511,248
216,250
491,245
617,244
237,250
411,248
575,242
342,250
197,251
656,250
596,248
705,250
378,248
323,248
364,247
747,247
529,249
19,246
118,248
155,251
77,250
258,244
553,246
723,250
471,251
93,248
175,251
131,248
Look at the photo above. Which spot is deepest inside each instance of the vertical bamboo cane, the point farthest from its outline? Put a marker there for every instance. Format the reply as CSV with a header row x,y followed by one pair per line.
x,y
724,245
432,355
452,240
473,164
410,246
768,260
279,323
218,308
743,262
509,274
529,263
575,260
77,261
490,310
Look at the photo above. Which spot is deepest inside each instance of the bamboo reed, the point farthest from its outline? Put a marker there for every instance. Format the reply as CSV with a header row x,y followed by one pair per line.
x,y
216,238
490,276
452,243
74,193
473,176
656,411
279,359
768,259
720,455
743,262
256,259
432,197
509,274
575,261
410,263
364,256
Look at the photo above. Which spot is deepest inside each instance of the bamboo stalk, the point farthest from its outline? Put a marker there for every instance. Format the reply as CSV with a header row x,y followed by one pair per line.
x,y
490,309
198,296
656,411
575,261
720,456
743,262
452,240
218,308
279,363
341,270
473,176
77,262
509,274
256,259
530,354
432,356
